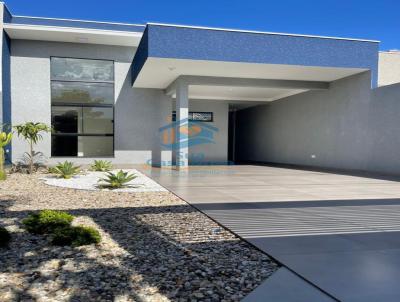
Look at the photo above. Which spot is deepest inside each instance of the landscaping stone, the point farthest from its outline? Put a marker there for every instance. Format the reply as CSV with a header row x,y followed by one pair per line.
x,y
90,181
154,248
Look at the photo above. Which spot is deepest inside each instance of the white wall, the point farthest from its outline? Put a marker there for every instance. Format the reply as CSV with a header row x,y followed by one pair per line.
x,y
389,68
139,113
348,127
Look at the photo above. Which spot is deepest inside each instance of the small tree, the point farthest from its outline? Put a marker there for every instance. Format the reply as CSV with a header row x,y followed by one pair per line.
x,y
5,139
31,132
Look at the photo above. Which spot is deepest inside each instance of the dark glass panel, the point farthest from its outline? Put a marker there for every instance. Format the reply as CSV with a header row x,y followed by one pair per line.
x,y
64,146
96,146
81,69
66,119
83,93
97,120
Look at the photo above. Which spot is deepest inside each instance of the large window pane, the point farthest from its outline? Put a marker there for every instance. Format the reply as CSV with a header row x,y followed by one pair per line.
x,y
81,69
64,146
66,119
82,146
95,146
97,120
82,120
84,93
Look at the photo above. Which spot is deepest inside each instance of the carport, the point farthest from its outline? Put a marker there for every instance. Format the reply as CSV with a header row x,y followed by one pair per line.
x,y
244,68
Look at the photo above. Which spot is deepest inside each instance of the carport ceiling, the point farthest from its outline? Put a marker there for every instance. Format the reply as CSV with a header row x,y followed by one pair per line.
x,y
239,93
161,72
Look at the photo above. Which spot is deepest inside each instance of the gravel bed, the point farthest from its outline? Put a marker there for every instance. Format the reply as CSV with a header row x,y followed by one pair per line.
x,y
90,181
154,248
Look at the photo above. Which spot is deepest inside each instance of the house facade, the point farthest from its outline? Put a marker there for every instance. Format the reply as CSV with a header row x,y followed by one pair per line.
x,y
170,95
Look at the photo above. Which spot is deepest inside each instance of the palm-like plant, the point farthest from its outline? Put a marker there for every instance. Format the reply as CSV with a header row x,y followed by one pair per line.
x,y
117,180
65,170
31,132
101,166
5,139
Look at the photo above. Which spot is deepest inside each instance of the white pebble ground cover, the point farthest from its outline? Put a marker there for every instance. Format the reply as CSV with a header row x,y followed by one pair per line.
x,y
90,181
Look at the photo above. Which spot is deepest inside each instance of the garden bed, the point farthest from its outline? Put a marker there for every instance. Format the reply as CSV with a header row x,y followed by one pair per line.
x,y
90,181
154,247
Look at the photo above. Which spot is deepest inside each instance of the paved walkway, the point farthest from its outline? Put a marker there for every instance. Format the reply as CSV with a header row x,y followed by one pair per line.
x,y
340,233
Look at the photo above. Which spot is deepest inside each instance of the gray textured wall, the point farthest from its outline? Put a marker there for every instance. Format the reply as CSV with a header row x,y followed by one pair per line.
x,y
217,152
384,130
138,112
347,127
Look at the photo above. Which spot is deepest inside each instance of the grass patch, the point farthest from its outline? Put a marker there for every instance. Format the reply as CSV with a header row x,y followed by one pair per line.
x,y
57,224
75,236
47,221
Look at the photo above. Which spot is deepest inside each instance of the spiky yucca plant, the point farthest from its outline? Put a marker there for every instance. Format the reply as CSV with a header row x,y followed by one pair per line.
x,y
65,170
5,139
101,166
117,180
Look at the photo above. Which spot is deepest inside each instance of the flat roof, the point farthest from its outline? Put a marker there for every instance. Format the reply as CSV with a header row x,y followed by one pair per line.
x,y
260,32
167,51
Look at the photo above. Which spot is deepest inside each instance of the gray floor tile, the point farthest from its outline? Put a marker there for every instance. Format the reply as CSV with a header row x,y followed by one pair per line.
x,y
339,232
356,276
306,244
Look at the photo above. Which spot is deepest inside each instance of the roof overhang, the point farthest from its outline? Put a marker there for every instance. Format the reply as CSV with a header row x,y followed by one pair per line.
x,y
75,31
73,35
167,52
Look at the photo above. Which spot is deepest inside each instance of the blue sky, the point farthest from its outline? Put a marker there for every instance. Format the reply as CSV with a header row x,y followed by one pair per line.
x,y
378,19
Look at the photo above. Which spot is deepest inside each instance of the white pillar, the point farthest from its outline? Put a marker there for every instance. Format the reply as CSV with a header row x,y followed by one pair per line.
x,y
181,128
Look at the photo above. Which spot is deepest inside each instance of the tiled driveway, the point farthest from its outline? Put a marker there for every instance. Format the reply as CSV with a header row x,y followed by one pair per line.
x,y
340,233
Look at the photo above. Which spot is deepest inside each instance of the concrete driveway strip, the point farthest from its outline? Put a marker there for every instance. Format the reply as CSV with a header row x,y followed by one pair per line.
x,y
284,286
340,233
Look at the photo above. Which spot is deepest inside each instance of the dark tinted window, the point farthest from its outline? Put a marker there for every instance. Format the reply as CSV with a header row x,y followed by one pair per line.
x,y
82,70
82,96
82,93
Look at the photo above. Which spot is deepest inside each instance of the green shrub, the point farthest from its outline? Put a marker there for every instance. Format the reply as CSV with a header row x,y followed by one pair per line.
x,y
47,221
117,180
52,170
65,170
101,166
5,237
75,236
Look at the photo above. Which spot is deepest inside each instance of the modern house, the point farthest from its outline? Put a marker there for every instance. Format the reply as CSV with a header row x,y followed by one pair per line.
x,y
127,93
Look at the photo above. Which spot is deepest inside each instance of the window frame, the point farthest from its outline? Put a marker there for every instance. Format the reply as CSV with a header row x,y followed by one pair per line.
x,y
211,113
83,105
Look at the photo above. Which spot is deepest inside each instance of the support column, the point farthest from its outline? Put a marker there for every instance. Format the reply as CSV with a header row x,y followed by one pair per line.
x,y
182,125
